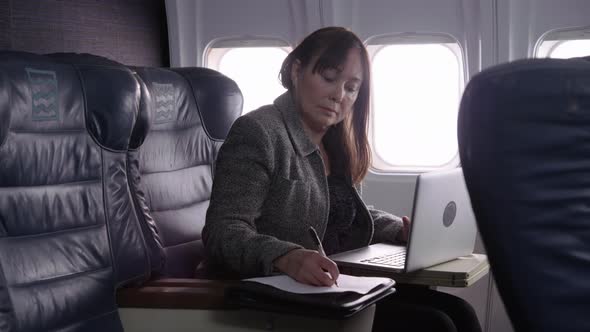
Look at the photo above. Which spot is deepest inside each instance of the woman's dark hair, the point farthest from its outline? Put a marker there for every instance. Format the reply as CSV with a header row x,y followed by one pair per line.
x,y
346,143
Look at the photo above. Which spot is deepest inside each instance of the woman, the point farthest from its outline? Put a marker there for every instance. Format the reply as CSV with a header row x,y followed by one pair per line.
x,y
293,165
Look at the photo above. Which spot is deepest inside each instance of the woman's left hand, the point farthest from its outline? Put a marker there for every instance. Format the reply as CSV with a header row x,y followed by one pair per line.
x,y
404,234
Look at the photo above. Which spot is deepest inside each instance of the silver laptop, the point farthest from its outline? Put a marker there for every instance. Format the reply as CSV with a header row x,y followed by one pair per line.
x,y
443,228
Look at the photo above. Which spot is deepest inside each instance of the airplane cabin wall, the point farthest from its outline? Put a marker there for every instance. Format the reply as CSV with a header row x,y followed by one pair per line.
x,y
527,20
195,24
488,31
127,31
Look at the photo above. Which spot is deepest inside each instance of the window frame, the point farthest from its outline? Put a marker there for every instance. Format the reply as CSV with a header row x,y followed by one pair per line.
x,y
376,43
240,42
218,48
554,38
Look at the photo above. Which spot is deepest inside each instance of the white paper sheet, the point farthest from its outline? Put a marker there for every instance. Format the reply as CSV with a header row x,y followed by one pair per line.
x,y
346,283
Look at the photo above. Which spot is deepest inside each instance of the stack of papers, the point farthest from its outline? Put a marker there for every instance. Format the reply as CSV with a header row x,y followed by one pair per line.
x,y
346,283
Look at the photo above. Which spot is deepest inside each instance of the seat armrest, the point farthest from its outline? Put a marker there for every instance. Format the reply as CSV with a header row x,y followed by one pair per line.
x,y
183,304
190,282
176,294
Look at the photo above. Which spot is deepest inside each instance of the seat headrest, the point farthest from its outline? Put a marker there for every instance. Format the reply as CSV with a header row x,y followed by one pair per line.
x,y
46,94
114,96
142,122
104,81
219,99
42,95
522,98
175,93
171,105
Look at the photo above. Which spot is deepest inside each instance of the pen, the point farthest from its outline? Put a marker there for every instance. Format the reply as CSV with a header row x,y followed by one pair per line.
x,y
318,243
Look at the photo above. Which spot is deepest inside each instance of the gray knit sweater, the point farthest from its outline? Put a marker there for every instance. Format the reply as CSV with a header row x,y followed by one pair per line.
x,y
269,187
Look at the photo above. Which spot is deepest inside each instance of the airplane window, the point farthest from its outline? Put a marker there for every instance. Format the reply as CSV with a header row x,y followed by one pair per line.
x,y
416,93
255,70
570,49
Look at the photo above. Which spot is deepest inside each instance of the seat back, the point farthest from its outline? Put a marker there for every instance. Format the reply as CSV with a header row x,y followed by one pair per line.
x,y
192,110
147,243
524,142
64,134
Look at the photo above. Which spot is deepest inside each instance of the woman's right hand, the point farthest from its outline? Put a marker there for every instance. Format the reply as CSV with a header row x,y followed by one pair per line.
x,y
308,267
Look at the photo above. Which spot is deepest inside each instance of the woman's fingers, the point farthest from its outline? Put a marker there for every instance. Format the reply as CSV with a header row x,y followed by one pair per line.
x,y
406,228
312,279
322,269
318,270
329,266
309,267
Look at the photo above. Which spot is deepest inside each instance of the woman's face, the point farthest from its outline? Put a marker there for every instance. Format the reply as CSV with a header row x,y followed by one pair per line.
x,y
325,98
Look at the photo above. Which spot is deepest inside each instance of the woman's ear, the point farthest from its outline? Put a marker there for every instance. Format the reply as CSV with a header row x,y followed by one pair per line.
x,y
295,72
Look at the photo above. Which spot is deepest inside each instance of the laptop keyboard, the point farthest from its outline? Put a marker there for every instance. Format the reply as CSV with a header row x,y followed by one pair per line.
x,y
396,259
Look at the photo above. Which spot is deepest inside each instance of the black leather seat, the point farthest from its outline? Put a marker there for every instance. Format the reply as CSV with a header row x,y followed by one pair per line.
x,y
524,138
144,228
68,229
192,112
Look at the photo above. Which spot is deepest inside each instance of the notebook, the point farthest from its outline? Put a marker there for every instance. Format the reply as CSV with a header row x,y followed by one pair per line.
x,y
285,295
443,228
346,283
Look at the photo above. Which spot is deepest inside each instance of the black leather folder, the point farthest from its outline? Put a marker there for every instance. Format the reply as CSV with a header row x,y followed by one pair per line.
x,y
254,295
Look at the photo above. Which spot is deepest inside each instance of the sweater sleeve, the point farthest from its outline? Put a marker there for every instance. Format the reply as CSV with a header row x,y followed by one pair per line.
x,y
387,226
242,180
